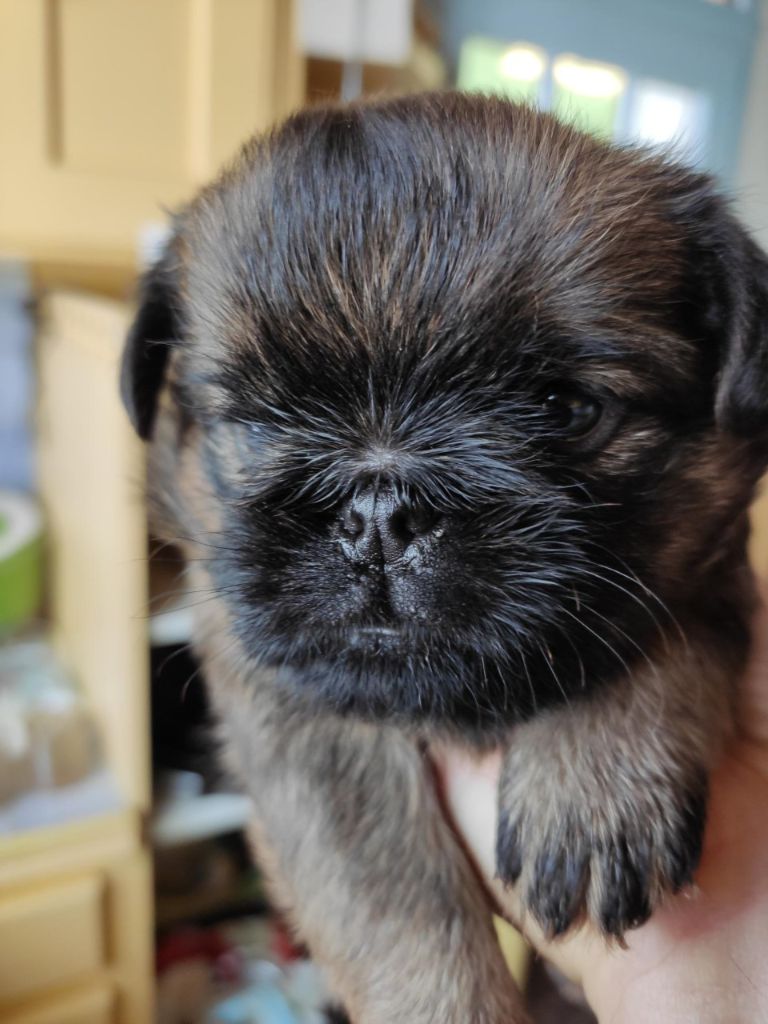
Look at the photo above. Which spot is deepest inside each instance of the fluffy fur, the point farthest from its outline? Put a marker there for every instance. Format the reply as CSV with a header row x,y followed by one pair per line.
x,y
464,412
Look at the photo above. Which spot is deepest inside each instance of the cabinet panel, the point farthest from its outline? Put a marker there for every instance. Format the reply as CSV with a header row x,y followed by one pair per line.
x,y
111,110
105,850
118,86
91,476
92,1005
51,935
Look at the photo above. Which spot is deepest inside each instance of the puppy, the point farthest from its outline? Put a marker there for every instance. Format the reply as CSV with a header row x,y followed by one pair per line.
x,y
456,413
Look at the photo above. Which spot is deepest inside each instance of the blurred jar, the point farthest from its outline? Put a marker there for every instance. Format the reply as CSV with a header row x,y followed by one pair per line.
x,y
48,739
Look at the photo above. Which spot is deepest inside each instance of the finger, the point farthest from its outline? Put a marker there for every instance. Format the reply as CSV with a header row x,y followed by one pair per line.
x,y
469,787
754,692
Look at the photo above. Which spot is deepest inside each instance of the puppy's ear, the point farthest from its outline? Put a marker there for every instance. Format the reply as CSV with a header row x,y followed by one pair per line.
x,y
728,302
742,395
155,330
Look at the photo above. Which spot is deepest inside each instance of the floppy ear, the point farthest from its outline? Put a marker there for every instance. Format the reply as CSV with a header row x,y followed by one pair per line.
x,y
155,329
728,302
741,404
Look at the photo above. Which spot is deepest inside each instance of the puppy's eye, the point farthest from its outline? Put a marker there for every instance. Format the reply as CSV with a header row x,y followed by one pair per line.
x,y
571,413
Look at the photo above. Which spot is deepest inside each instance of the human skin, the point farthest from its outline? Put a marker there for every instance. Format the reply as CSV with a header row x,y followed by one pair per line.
x,y
703,956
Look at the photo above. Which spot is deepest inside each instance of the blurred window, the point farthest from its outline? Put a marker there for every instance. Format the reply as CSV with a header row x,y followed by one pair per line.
x,y
603,98
588,92
516,71
672,73
670,115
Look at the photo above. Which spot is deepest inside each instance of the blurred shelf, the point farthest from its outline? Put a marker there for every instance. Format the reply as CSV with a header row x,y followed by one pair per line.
x,y
173,625
170,621
241,897
190,819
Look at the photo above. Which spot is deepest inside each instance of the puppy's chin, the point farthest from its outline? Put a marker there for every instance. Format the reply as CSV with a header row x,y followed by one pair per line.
x,y
391,685
410,676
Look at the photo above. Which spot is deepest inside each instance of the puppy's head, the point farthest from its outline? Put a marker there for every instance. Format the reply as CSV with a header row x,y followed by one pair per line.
x,y
474,403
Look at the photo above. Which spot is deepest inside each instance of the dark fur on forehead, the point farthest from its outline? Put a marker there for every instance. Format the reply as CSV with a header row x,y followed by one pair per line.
x,y
428,223
384,224
432,222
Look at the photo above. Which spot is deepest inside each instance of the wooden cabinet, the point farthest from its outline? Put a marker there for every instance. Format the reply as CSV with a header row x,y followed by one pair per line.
x,y
76,925
111,112
90,1004
76,917
91,468
33,923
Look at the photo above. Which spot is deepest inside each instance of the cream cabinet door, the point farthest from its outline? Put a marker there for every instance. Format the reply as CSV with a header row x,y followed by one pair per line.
x,y
89,1005
111,110
91,481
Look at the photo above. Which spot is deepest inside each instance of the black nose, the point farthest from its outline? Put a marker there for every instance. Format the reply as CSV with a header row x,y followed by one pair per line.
x,y
378,525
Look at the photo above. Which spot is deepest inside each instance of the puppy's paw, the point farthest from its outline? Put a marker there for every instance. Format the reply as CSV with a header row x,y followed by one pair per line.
x,y
610,859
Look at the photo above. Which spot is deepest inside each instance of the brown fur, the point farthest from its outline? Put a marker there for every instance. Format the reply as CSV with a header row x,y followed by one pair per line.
x,y
419,946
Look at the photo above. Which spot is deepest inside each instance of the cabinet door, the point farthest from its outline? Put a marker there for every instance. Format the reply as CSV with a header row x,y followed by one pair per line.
x,y
91,481
76,924
50,935
93,1004
111,110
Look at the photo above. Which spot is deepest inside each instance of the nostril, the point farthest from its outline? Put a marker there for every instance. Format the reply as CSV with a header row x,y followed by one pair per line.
x,y
421,520
352,523
413,521
376,523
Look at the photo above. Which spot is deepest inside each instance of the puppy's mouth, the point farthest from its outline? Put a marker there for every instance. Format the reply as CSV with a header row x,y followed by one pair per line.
x,y
426,668
375,645
377,640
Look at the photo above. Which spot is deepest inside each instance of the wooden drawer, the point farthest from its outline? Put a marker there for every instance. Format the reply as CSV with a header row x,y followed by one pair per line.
x,y
94,1004
50,935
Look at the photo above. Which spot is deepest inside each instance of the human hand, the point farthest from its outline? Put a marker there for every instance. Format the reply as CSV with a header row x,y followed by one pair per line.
x,y
703,956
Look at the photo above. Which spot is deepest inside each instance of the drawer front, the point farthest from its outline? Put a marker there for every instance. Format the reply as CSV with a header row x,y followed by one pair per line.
x,y
51,935
91,1005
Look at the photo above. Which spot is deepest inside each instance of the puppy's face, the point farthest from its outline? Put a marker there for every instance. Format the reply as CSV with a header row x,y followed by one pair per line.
x,y
472,398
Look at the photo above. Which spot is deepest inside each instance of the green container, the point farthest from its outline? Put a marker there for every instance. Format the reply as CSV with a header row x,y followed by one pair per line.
x,y
20,560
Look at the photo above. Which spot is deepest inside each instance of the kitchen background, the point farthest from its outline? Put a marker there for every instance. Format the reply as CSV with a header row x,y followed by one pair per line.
x,y
126,893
